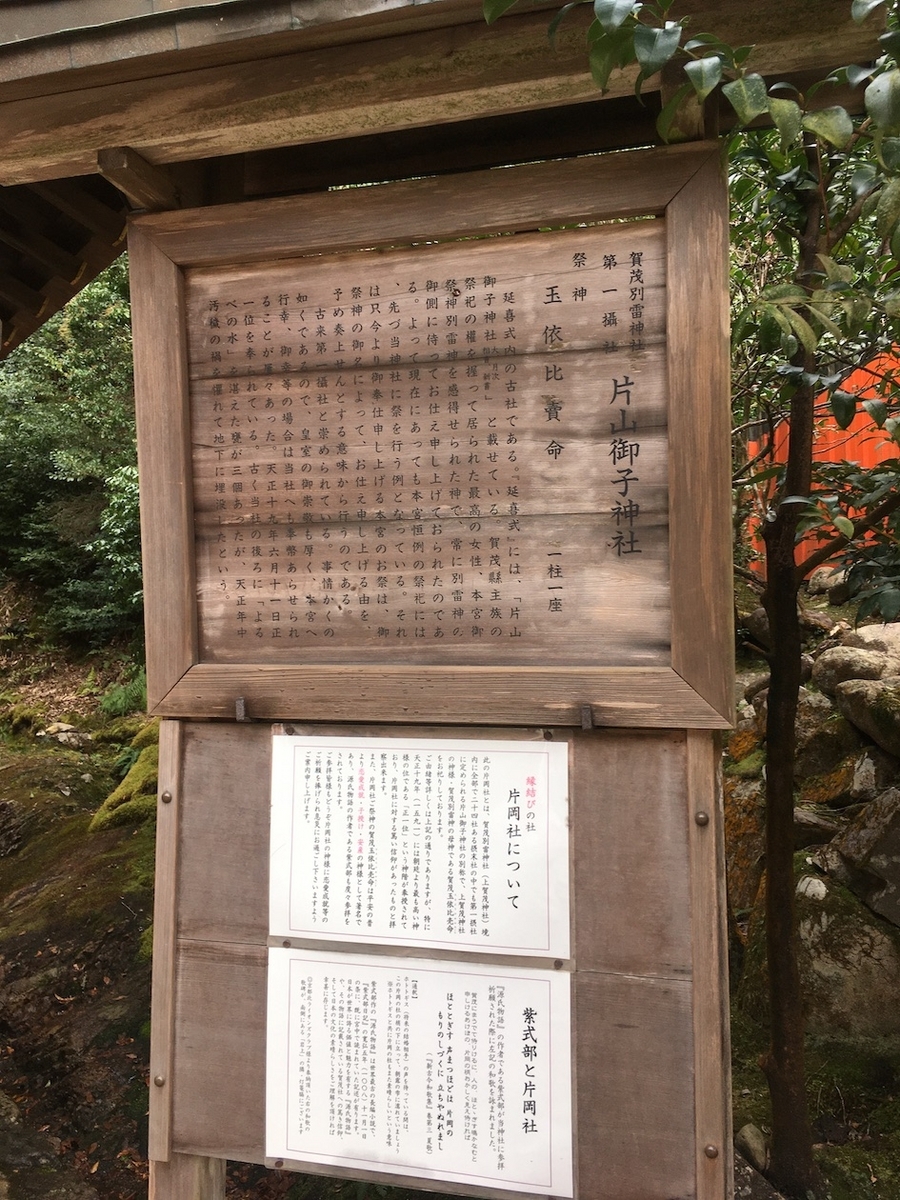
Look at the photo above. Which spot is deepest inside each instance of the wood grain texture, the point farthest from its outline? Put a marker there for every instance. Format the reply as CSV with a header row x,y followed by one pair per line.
x,y
630,887
634,1088
700,433
712,1056
649,1024
166,905
278,95
587,189
626,696
520,198
164,466
187,1177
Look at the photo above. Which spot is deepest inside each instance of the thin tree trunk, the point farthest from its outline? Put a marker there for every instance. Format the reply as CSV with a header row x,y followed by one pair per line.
x,y
791,1165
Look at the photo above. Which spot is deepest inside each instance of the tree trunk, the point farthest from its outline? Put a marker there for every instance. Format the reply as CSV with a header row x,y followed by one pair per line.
x,y
791,1166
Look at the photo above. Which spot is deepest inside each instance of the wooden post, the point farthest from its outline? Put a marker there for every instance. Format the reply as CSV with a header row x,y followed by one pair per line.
x,y
187,1177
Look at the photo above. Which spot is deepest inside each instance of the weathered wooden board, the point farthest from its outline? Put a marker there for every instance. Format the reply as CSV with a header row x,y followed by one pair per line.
x,y
190,98
648,968
441,458
414,456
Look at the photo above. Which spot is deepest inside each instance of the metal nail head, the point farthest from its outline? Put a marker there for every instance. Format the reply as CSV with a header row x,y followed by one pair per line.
x,y
166,797
702,818
711,1151
159,1080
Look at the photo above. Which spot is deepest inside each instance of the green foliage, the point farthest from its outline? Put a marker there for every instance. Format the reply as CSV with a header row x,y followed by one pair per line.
x,y
122,699
68,480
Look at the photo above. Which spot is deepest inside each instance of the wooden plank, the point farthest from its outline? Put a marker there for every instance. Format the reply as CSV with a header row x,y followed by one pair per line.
x,y
521,198
458,500
421,78
630,888
160,383
634,1088
628,696
712,1073
227,772
187,1177
165,916
72,198
146,186
699,436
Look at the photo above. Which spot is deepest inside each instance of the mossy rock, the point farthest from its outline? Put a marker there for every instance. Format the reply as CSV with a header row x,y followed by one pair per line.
x,y
849,962
148,735
119,732
833,789
750,767
134,800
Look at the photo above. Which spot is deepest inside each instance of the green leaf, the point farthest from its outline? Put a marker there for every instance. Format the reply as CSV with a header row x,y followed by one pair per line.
x,y
877,410
803,330
887,213
892,425
670,111
863,180
787,117
831,124
890,153
844,526
608,52
611,13
883,100
843,405
891,42
747,97
862,8
654,47
705,74
889,603
496,8
557,20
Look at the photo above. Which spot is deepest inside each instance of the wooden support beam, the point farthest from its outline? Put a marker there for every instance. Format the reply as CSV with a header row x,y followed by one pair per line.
x,y
32,244
187,1177
147,187
422,78
19,295
71,198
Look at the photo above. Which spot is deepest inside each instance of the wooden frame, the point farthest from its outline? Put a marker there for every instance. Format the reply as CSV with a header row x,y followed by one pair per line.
x,y
684,184
651,1087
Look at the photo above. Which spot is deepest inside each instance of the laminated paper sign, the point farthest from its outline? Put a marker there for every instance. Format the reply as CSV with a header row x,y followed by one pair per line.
x,y
423,842
458,1072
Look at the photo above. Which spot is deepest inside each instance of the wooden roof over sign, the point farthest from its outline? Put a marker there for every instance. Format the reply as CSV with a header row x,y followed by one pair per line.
x,y
195,102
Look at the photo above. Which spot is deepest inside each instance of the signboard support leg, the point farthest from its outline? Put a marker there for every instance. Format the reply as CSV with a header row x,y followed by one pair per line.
x,y
187,1177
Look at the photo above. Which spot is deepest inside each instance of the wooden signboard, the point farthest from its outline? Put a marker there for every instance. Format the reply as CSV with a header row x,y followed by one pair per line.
x,y
644,966
446,450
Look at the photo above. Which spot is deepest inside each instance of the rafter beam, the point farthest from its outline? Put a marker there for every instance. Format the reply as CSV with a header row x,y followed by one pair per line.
x,y
147,187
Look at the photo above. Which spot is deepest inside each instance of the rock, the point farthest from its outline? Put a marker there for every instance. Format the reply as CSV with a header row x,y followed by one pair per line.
x,y
849,963
824,578
871,847
807,662
812,828
874,772
847,662
750,1185
839,593
757,625
885,638
812,886
66,735
745,841
873,705
833,788
751,684
824,738
750,1142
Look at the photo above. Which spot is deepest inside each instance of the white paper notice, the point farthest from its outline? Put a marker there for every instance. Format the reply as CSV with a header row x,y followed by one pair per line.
x,y
421,842
412,1068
